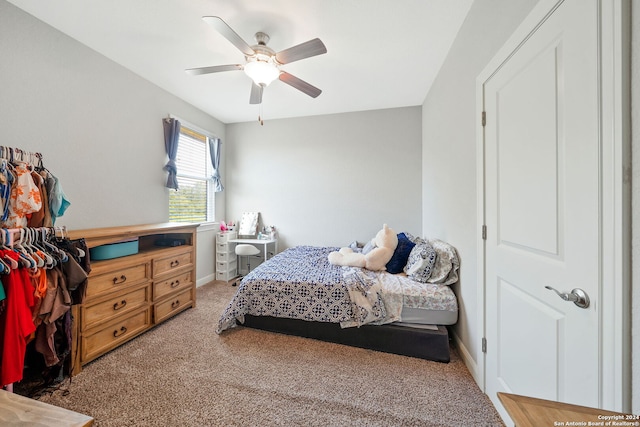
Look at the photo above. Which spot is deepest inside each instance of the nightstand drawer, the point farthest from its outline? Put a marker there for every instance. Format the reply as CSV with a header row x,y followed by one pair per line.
x,y
118,279
115,306
225,248
108,338
226,266
225,236
172,284
172,306
225,256
226,275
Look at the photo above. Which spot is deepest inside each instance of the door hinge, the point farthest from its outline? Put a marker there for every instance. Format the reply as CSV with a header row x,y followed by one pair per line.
x,y
484,232
484,345
484,118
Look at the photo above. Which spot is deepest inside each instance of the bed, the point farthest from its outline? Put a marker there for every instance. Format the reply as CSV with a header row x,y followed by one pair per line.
x,y
299,292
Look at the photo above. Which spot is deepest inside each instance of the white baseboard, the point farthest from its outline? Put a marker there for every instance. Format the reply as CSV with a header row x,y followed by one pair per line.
x,y
468,360
206,279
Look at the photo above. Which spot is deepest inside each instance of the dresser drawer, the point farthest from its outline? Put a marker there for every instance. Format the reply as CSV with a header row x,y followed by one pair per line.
x,y
116,333
225,248
115,306
172,284
226,275
177,261
172,306
224,237
226,266
120,278
225,256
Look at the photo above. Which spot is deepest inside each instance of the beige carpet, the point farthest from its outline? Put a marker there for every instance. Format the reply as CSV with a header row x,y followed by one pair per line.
x,y
183,374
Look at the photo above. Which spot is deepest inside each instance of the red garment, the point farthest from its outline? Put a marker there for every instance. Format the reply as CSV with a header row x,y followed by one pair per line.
x,y
16,323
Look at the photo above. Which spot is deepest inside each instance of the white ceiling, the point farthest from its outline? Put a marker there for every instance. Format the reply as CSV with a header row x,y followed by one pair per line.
x,y
381,53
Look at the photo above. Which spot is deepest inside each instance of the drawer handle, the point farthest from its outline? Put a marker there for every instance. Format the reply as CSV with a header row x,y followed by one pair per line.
x,y
174,263
117,333
119,280
175,304
119,305
175,284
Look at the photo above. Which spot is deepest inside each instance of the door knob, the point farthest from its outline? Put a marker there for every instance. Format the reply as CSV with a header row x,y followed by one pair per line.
x,y
577,296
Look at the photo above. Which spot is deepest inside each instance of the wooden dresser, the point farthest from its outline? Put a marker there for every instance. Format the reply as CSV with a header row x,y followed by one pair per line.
x,y
128,295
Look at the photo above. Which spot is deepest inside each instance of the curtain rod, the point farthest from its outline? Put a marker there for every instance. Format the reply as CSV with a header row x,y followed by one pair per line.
x,y
193,127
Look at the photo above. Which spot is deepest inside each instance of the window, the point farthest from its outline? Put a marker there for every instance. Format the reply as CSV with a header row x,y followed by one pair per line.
x,y
194,201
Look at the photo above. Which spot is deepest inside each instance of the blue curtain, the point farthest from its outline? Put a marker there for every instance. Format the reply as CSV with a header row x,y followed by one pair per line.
x,y
171,138
214,149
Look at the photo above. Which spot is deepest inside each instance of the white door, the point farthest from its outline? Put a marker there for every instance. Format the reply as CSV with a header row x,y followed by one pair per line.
x,y
542,211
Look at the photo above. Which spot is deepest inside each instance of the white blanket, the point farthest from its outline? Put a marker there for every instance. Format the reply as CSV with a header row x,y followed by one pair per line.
x,y
376,297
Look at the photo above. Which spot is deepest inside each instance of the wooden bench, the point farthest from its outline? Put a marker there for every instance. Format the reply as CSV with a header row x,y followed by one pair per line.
x,y
531,412
17,410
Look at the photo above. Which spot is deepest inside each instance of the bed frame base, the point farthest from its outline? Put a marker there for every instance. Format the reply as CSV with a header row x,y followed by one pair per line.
x,y
390,338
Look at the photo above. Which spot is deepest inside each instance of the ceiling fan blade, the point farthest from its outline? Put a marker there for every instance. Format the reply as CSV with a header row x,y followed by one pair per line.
x,y
301,85
256,94
214,69
228,33
304,50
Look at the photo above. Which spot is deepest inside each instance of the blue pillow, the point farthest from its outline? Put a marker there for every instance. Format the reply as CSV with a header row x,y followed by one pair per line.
x,y
400,255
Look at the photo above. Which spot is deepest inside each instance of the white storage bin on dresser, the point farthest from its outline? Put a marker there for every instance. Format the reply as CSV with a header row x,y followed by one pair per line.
x,y
226,260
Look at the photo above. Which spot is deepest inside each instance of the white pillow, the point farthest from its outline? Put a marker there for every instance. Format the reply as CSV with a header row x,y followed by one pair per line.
x,y
420,263
447,264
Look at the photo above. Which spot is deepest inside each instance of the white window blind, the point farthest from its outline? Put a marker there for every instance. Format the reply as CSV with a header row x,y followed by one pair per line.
x,y
194,200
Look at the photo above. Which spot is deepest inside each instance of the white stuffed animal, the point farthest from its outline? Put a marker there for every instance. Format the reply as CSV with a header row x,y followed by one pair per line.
x,y
385,244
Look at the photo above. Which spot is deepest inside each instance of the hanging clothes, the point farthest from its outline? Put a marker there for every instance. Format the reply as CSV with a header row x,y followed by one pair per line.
x,y
58,202
16,323
25,198
30,195
42,217
6,181
34,295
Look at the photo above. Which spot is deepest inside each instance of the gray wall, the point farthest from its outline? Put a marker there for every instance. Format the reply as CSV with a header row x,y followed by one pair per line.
x,y
449,159
97,125
328,180
449,120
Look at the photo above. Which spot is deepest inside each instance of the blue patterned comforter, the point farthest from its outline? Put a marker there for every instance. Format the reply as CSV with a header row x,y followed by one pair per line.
x,y
298,283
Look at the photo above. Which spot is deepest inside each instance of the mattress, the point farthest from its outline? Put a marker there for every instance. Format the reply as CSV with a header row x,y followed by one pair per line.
x,y
299,283
422,303
424,316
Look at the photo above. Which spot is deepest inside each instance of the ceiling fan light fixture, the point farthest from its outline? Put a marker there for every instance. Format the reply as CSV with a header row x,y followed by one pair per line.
x,y
262,72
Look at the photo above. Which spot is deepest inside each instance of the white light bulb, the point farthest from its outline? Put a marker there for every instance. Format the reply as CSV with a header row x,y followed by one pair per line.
x,y
261,72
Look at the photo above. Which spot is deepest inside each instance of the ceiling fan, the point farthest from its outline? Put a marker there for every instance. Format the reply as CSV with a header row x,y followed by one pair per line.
x,y
262,62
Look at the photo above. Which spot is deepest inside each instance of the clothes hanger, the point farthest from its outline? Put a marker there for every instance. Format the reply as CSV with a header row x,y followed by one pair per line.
x,y
54,250
38,242
33,250
28,261
6,268
13,264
